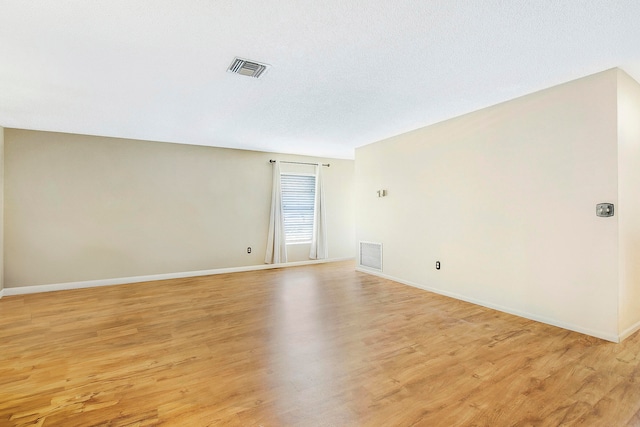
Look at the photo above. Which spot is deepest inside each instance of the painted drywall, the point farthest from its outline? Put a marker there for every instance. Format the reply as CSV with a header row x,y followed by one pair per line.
x,y
1,209
85,208
629,200
505,199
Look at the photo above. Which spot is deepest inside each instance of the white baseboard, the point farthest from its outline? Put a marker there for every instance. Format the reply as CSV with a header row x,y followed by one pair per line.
x,y
530,316
21,290
1,293
629,331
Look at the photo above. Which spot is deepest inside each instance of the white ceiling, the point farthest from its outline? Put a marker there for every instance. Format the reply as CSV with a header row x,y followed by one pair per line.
x,y
344,73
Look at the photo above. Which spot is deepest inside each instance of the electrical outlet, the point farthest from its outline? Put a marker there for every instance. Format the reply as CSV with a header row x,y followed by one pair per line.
x,y
249,250
604,209
437,265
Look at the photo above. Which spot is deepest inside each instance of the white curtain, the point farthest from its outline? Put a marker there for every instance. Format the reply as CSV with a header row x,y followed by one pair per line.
x,y
319,249
276,242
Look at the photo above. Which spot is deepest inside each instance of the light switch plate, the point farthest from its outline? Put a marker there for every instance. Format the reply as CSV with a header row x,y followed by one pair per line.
x,y
604,209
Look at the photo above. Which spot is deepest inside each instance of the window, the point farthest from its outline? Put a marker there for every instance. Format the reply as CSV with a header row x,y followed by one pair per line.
x,y
298,202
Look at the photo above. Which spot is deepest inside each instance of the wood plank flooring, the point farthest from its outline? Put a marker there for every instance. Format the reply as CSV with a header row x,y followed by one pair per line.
x,y
318,345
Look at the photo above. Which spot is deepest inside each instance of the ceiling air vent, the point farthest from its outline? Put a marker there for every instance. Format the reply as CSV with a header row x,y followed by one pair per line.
x,y
247,68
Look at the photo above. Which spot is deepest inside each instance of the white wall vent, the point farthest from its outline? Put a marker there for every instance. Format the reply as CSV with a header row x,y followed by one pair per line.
x,y
247,68
371,255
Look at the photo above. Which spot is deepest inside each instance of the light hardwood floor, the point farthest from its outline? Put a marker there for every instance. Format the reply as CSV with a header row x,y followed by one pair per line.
x,y
319,345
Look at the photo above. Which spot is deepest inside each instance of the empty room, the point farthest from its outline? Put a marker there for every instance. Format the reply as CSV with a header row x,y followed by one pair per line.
x,y
234,213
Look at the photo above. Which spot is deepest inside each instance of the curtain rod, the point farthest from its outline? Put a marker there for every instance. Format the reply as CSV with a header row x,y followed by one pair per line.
x,y
301,163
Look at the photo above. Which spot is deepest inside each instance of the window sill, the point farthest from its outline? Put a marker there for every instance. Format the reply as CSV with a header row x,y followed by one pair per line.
x,y
299,243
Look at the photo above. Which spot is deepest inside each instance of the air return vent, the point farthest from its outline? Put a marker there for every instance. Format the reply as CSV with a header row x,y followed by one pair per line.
x,y
371,255
247,68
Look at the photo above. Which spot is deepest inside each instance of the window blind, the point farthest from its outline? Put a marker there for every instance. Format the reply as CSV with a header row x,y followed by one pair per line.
x,y
298,199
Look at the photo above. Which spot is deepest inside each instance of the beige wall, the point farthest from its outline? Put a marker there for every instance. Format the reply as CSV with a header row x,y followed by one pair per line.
x,y
1,208
629,200
83,208
505,199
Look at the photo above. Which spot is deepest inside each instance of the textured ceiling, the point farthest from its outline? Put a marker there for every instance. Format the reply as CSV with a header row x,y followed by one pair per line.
x,y
344,73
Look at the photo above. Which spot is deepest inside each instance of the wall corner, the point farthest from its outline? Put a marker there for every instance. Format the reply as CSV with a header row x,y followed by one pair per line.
x,y
628,146
1,211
